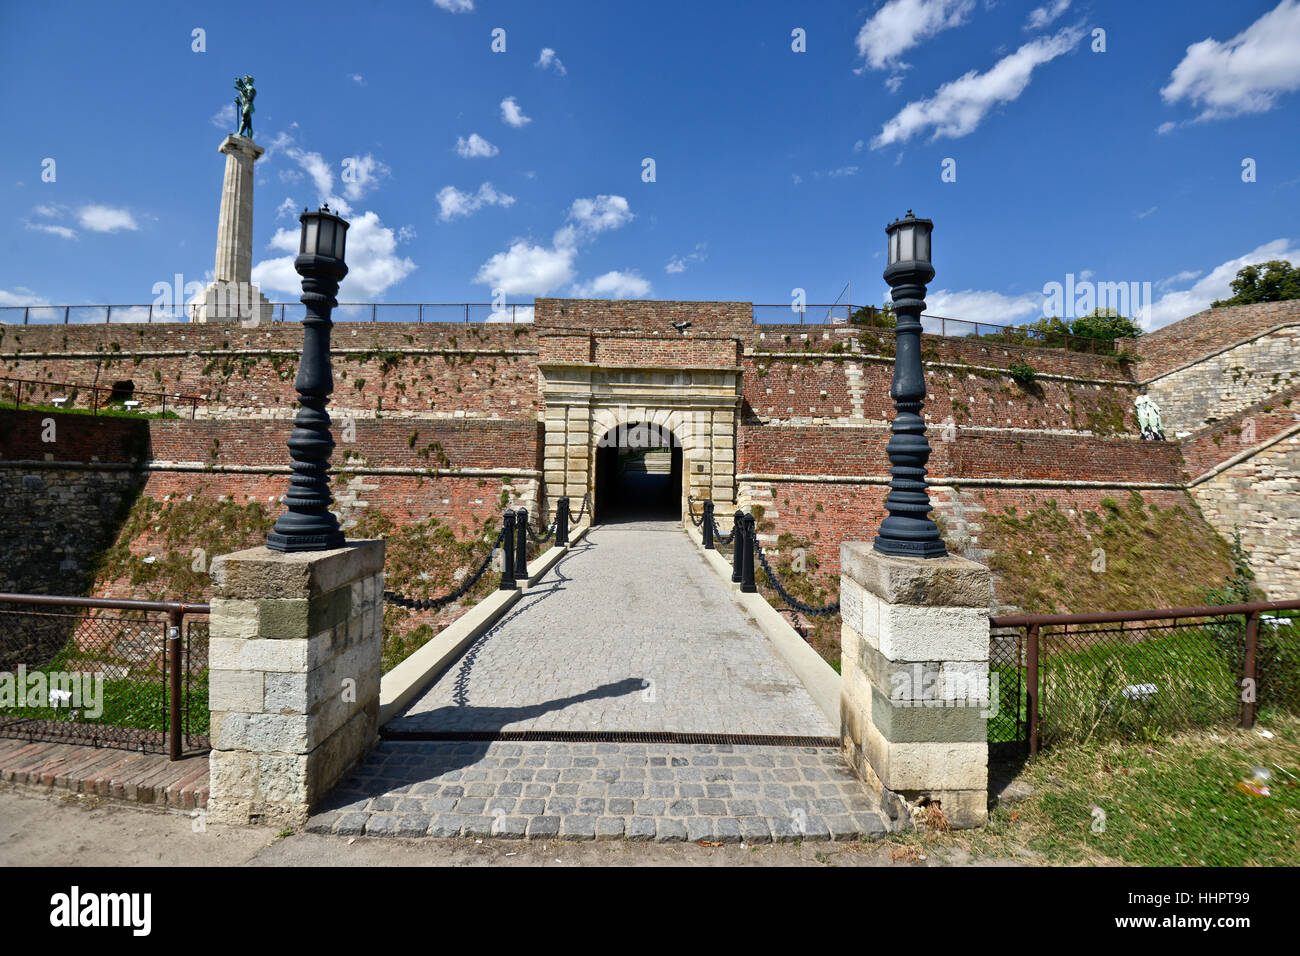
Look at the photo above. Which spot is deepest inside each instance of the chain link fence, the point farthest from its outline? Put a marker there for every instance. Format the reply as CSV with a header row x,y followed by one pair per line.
x,y
1141,674
71,673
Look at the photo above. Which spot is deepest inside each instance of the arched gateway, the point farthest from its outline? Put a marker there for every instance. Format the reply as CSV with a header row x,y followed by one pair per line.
x,y
670,368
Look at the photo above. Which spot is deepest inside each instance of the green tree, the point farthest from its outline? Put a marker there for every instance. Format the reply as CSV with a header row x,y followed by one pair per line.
x,y
879,317
1104,324
1273,281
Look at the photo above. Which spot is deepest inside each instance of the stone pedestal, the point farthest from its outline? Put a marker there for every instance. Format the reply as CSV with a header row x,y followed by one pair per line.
x,y
914,699
294,677
231,296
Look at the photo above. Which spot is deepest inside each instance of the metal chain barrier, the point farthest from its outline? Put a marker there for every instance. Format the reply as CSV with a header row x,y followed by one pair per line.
x,y
786,596
586,501
691,511
433,604
721,538
537,537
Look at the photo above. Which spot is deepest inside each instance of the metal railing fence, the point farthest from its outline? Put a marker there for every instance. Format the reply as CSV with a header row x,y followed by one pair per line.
x,y
1071,677
13,389
135,680
463,313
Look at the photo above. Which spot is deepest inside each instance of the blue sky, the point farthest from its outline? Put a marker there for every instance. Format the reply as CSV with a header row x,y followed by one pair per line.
x,y
775,170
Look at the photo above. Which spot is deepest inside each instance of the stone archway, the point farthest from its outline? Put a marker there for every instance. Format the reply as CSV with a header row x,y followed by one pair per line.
x,y
584,402
638,474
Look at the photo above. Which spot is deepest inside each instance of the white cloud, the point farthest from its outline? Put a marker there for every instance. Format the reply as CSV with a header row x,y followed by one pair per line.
x,y
1042,16
406,234
592,216
476,147
902,24
528,269
452,202
373,263
1187,275
549,61
959,106
455,6
982,305
512,115
358,79
678,264
1147,212
1245,74
21,296
224,118
1216,284
613,285
1166,127
98,218
286,208
361,174
62,232
838,173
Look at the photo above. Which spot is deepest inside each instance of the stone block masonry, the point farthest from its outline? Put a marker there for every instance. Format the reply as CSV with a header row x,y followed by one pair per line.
x,y
914,699
294,654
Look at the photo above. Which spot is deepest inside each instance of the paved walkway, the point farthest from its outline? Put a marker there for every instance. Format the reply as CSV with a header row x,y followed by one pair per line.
x,y
631,631
665,793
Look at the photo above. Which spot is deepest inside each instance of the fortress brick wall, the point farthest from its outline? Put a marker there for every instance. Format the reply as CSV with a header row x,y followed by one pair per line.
x,y
446,418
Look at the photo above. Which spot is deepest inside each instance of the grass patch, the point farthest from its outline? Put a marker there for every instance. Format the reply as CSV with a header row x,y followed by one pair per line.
x,y
1124,557
1171,803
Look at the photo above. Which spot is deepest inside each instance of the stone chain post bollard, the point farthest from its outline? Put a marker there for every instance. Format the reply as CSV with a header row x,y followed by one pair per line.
x,y
915,695
747,568
708,525
508,552
521,544
295,644
737,545
562,522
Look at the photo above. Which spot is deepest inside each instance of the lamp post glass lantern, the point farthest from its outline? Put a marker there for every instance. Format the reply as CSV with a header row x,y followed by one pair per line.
x,y
309,525
908,530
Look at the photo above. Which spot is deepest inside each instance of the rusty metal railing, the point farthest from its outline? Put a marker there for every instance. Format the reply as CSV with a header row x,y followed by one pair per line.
x,y
144,671
1120,672
16,385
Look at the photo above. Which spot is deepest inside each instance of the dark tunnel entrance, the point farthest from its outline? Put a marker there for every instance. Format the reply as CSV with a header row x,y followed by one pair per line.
x,y
638,474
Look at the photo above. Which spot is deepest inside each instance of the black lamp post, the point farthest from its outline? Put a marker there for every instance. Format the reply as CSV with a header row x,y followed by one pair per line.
x,y
908,532
309,525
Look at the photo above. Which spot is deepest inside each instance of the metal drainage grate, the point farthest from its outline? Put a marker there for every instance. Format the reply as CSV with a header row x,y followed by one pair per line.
x,y
608,737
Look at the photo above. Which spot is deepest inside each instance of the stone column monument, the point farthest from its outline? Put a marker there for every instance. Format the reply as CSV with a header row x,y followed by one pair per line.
x,y
232,296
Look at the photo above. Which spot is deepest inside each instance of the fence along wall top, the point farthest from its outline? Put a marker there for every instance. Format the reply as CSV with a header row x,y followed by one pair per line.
x,y
1157,614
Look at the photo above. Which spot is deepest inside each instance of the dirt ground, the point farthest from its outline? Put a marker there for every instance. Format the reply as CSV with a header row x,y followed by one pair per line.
x,y
50,828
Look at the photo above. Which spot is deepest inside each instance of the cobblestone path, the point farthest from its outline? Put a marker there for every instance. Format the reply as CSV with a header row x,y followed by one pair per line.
x,y
549,790
630,631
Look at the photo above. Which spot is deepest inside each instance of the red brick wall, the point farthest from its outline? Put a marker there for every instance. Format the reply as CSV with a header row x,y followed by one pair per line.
x,y
963,350
860,451
477,369
826,514
657,315
465,443
784,388
1222,441
78,438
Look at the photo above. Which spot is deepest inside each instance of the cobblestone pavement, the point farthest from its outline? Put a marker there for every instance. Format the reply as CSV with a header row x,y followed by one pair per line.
x,y
632,630
548,790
